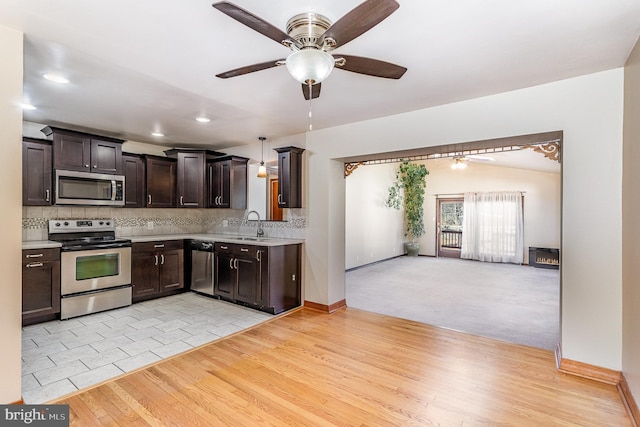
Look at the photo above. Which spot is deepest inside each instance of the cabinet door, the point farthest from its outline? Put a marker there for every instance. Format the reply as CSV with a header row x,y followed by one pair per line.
x,y
160,180
225,275
191,168
36,173
134,188
71,152
40,288
290,177
247,280
223,178
106,157
144,274
171,266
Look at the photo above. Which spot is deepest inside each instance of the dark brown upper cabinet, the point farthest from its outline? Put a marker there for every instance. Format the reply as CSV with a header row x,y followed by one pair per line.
x,y
134,180
289,177
36,172
79,151
191,180
160,181
227,182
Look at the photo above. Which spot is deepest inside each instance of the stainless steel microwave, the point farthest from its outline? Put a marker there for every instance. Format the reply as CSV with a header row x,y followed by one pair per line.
x,y
86,188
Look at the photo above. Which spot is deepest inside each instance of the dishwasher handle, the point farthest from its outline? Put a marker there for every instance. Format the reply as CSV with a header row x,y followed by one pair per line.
x,y
199,245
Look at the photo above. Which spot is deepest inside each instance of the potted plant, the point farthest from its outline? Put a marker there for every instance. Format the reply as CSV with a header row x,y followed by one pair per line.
x,y
408,191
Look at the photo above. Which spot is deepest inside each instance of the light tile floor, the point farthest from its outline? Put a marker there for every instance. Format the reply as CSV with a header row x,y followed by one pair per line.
x,y
60,357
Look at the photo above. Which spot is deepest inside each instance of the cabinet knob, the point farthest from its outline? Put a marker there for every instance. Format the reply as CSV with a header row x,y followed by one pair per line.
x,y
149,199
161,259
95,166
181,200
86,166
46,196
156,258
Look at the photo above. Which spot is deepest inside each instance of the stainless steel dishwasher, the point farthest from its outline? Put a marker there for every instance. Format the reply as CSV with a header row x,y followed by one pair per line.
x,y
202,267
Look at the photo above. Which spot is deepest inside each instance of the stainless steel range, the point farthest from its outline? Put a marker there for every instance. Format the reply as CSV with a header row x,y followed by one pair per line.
x,y
95,266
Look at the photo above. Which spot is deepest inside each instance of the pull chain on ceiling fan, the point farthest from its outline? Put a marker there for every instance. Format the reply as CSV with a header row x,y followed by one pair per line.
x,y
311,36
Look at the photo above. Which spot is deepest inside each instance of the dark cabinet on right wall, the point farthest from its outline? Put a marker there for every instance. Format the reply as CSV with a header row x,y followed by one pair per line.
x,y
289,177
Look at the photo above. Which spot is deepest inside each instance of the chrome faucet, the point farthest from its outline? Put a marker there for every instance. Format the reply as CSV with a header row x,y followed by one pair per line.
x,y
260,231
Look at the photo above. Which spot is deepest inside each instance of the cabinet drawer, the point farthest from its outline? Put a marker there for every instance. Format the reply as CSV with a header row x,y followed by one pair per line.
x,y
156,246
40,255
241,250
225,248
245,250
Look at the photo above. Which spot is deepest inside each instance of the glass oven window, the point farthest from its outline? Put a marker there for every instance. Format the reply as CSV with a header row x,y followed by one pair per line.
x,y
96,266
82,188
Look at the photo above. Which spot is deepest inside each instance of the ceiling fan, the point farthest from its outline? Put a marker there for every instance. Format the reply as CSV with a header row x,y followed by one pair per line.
x,y
311,36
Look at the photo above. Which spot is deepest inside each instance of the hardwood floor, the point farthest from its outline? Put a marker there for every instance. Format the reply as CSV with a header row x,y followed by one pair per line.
x,y
351,367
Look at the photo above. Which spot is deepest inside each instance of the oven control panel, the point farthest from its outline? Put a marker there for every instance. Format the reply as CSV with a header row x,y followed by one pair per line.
x,y
80,225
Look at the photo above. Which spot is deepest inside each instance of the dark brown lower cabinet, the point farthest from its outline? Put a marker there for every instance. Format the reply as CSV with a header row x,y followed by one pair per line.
x,y
279,285
40,285
236,273
263,277
157,269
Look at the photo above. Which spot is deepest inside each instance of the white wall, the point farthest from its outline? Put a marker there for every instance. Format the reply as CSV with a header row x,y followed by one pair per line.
x,y
631,226
374,231
588,109
11,215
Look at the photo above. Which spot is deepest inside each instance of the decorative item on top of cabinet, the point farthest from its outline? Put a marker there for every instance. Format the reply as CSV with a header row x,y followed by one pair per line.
x,y
191,170
36,172
160,181
40,285
79,151
157,269
227,182
134,176
289,177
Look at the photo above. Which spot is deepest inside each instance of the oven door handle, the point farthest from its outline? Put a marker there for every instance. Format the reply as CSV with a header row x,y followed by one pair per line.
x,y
71,248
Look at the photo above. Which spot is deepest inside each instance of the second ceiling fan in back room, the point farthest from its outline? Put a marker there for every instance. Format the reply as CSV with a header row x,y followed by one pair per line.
x,y
311,36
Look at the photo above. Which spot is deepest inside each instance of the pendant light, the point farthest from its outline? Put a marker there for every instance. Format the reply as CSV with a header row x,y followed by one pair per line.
x,y
262,170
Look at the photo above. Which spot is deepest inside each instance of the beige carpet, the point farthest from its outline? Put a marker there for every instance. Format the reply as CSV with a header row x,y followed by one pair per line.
x,y
518,304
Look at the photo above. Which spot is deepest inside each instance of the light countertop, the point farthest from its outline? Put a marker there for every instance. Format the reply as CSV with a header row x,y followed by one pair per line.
x,y
226,238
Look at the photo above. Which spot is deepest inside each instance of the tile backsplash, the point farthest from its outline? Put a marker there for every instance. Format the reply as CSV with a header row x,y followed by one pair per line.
x,y
147,221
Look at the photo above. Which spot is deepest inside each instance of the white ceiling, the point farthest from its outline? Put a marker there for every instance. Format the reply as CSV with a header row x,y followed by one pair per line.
x,y
138,66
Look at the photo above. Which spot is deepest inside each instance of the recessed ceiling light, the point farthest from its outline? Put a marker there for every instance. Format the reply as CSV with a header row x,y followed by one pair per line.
x,y
157,134
27,106
203,119
56,78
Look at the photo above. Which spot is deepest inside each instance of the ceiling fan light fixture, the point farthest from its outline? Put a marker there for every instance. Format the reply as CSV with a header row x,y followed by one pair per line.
x,y
310,66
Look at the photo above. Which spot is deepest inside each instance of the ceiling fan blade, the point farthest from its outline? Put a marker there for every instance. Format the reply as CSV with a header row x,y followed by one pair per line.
x,y
250,69
359,20
315,91
371,67
254,22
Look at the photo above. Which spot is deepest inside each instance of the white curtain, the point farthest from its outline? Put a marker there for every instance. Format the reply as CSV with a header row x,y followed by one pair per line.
x,y
492,227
